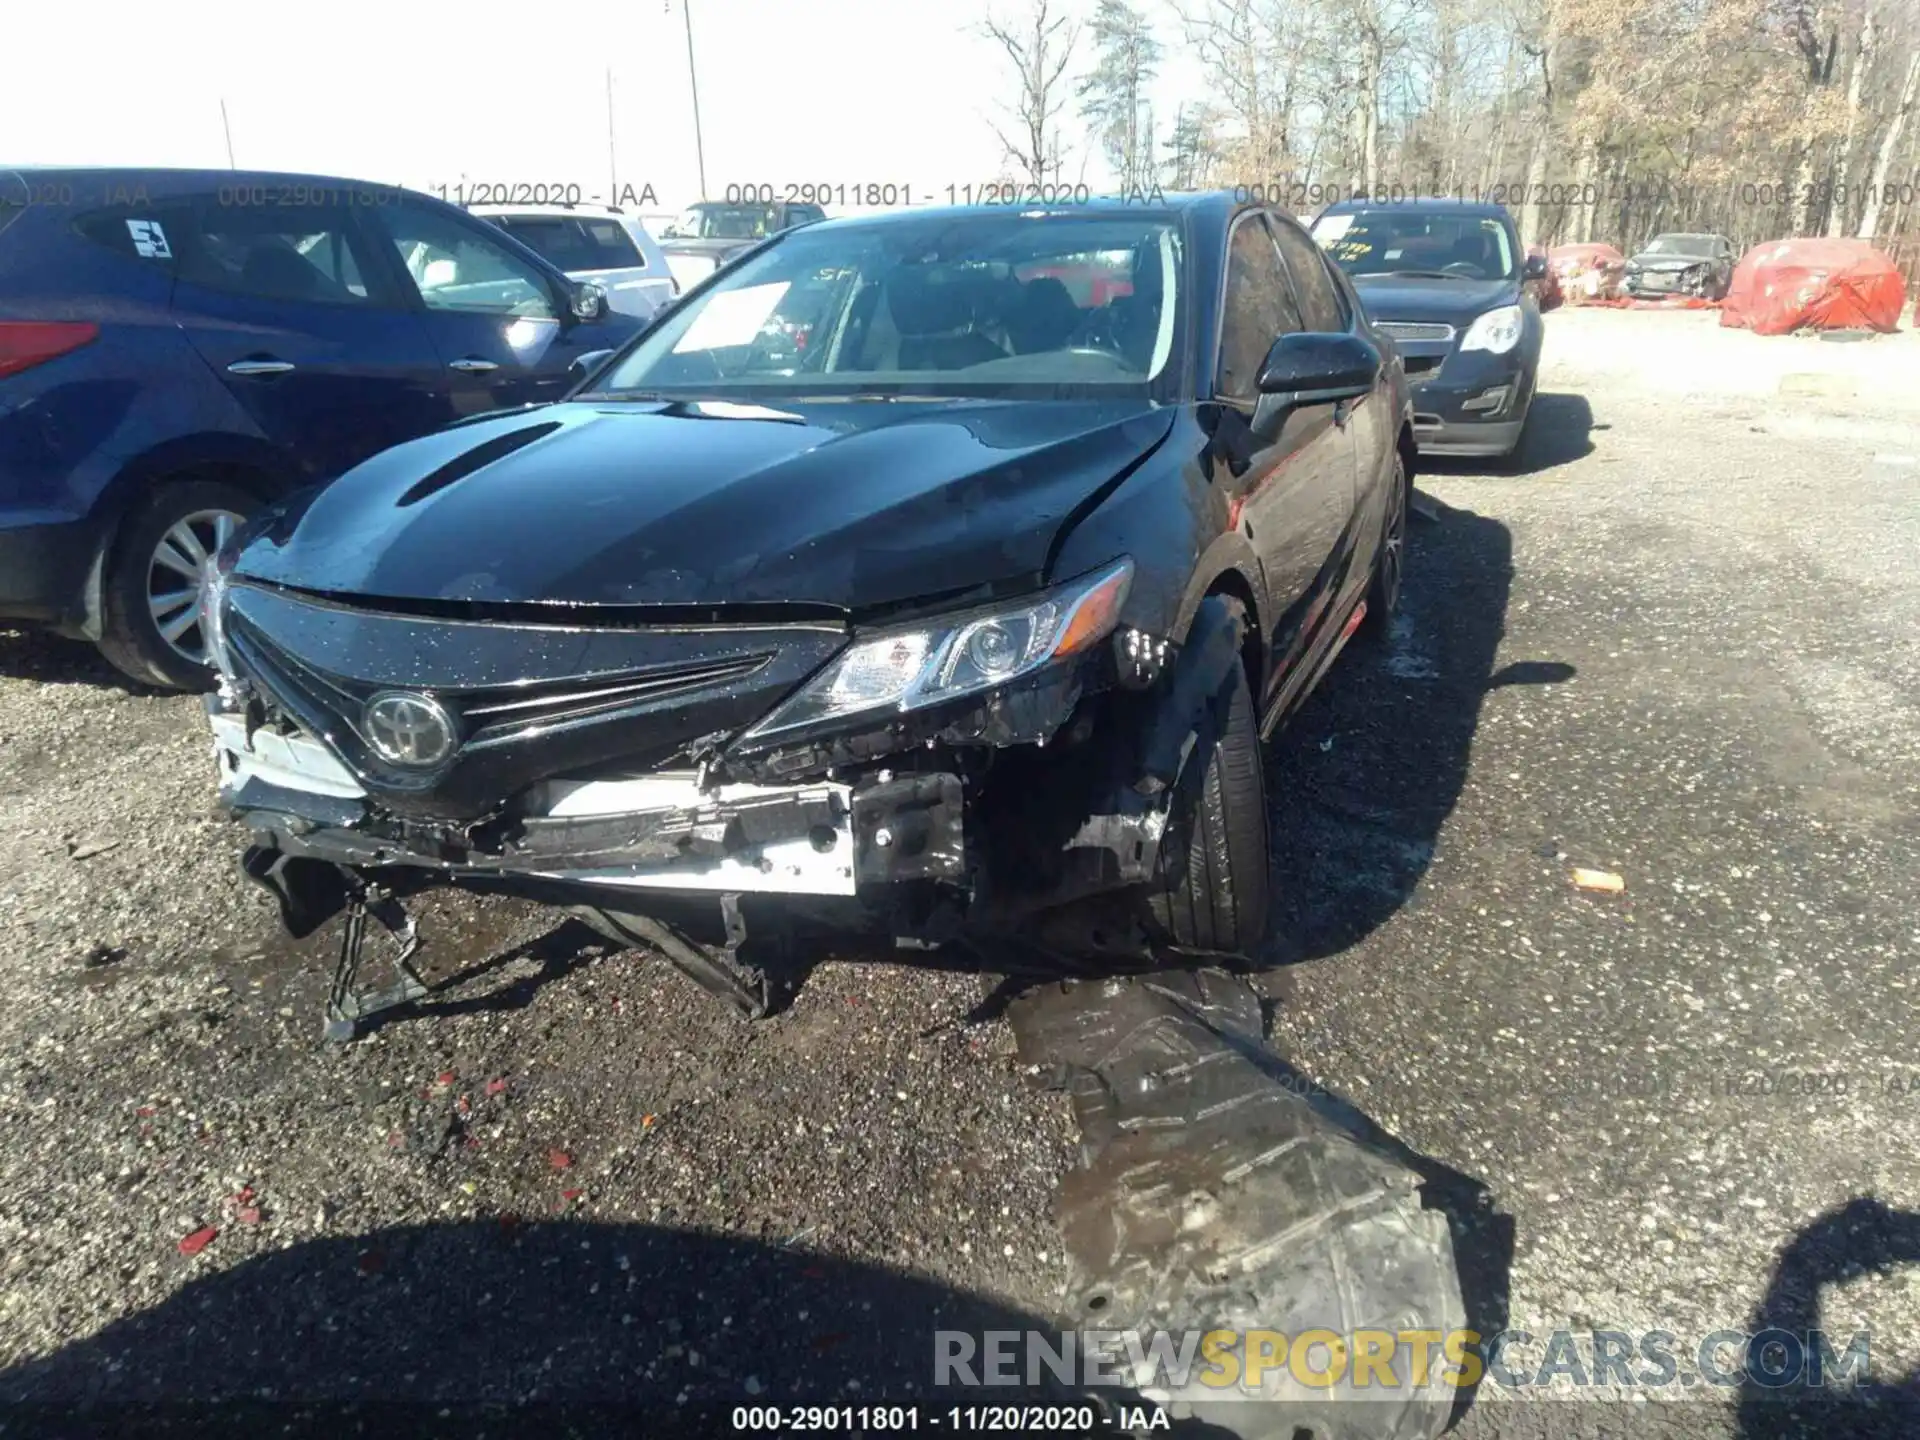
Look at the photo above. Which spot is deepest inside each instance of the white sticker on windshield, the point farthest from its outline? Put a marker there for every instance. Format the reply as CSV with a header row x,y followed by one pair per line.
x,y
1331,227
733,317
149,239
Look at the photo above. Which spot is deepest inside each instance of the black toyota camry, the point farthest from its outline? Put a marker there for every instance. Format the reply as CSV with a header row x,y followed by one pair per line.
x,y
940,571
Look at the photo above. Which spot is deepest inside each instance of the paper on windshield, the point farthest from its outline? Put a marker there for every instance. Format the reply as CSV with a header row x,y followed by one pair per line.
x,y
732,317
1331,227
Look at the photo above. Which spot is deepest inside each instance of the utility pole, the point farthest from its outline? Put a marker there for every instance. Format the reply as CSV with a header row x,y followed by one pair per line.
x,y
228,131
693,84
613,168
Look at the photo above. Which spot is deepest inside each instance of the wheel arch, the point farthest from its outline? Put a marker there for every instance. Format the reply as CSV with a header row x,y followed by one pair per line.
x,y
245,463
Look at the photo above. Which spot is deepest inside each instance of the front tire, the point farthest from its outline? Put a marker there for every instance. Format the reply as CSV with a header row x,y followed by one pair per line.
x,y
150,605
1209,890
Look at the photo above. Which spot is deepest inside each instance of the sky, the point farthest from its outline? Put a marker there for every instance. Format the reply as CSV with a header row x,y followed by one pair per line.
x,y
829,92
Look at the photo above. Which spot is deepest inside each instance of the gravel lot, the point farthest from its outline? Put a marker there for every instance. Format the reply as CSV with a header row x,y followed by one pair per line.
x,y
1675,642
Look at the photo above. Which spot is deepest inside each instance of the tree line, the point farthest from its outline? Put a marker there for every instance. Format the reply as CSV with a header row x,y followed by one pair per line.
x,y
1592,120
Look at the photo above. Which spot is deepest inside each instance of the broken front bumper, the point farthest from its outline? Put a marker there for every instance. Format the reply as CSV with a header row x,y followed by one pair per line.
x,y
653,832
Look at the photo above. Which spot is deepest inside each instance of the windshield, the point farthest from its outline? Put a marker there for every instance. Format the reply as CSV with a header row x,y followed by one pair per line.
x,y
1680,245
1414,242
723,222
574,242
991,305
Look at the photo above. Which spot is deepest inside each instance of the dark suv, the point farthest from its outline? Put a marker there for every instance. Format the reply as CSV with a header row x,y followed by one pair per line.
x,y
179,347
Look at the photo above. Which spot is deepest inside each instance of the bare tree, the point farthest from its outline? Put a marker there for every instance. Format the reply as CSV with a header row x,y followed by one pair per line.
x,y
1113,95
1877,185
1040,47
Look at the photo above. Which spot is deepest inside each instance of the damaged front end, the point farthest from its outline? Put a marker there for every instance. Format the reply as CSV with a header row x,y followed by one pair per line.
x,y
934,776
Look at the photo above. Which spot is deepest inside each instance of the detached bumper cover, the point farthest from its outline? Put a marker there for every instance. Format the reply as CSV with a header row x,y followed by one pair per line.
x,y
658,831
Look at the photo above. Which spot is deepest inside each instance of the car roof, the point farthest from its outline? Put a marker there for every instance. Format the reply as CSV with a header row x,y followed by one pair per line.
x,y
1437,204
1159,206
166,180
597,211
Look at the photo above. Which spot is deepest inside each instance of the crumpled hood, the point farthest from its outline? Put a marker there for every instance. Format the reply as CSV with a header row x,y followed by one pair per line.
x,y
854,505
1670,262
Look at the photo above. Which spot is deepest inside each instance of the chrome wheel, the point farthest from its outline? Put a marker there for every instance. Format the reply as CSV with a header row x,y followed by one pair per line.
x,y
179,563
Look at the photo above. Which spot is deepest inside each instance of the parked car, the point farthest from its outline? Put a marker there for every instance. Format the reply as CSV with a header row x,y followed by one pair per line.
x,y
597,245
974,617
1682,264
711,233
179,347
1448,280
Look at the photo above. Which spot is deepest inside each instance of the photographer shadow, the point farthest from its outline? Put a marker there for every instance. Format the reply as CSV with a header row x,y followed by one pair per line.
x,y
1778,1398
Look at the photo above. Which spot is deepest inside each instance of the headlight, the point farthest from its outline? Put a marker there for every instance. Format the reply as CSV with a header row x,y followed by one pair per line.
x,y
1497,330
913,667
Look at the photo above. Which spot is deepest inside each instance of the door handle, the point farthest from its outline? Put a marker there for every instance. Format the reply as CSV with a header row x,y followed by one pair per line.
x,y
472,366
259,367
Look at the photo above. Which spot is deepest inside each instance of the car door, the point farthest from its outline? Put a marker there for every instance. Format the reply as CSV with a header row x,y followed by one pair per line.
x,y
287,305
499,320
1291,483
1370,425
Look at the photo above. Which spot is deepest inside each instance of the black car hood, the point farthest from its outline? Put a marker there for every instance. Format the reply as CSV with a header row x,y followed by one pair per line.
x,y
1451,302
854,505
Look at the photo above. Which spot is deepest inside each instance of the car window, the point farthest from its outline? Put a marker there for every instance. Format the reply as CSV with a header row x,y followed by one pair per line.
x,y
1320,307
804,214
725,222
994,304
457,267
146,233
304,253
574,242
1260,308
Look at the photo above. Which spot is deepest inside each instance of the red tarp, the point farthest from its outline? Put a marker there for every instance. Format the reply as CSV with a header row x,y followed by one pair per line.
x,y
1814,283
1588,272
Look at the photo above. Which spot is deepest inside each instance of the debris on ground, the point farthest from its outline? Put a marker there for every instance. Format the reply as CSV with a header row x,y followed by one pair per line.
x,y
1603,880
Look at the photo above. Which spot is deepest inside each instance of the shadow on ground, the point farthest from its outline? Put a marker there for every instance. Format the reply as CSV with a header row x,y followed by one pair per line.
x,y
1363,778
1559,431
436,1329
1777,1402
46,658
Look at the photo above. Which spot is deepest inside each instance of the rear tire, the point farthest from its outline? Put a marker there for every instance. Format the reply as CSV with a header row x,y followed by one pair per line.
x,y
147,585
1209,890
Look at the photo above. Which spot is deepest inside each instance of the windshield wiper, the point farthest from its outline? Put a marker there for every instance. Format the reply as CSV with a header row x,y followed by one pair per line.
x,y
1426,275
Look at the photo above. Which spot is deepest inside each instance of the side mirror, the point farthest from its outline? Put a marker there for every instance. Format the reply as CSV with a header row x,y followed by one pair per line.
x,y
584,365
1312,368
589,302
1535,268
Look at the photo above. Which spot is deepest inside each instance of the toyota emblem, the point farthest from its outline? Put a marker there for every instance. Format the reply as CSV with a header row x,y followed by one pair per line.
x,y
407,728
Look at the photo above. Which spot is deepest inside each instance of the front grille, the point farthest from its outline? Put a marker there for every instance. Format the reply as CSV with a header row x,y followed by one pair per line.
x,y
1420,364
530,700
501,713
1414,330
